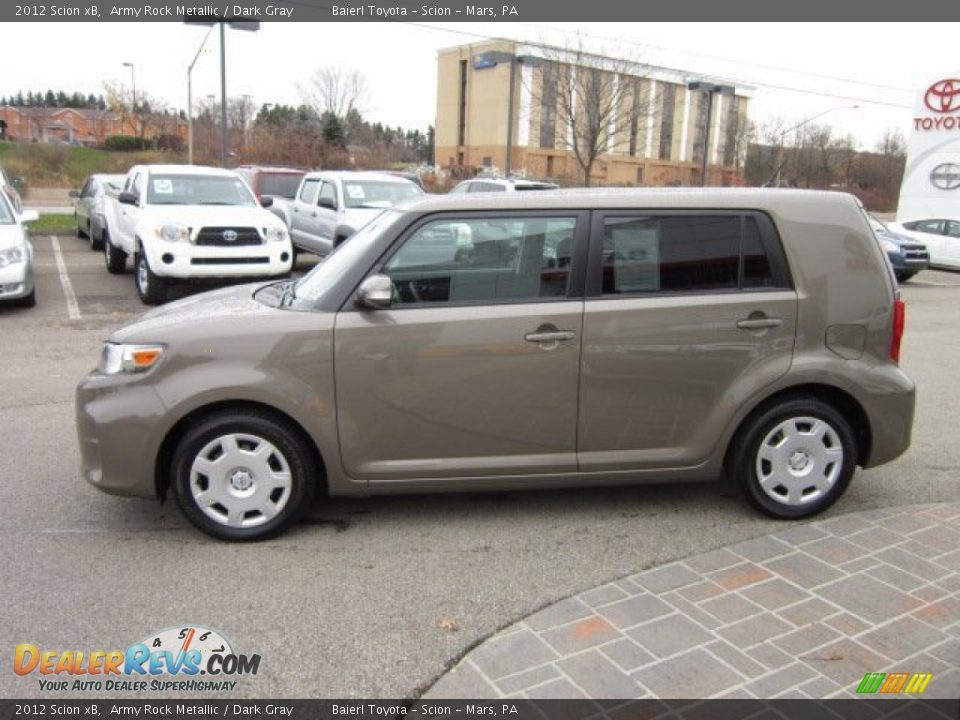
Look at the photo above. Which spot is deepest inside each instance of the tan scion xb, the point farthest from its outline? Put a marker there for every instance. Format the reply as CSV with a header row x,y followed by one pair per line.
x,y
525,340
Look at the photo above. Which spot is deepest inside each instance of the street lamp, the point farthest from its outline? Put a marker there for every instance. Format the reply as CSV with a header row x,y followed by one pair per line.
x,y
775,178
493,58
237,23
133,87
710,89
190,96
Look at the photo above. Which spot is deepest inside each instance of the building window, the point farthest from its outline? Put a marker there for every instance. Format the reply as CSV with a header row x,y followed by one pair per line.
x,y
549,165
733,128
640,175
666,120
700,127
635,118
487,161
462,118
548,107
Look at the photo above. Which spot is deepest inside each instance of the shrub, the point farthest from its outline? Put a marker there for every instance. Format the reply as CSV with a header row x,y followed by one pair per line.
x,y
126,143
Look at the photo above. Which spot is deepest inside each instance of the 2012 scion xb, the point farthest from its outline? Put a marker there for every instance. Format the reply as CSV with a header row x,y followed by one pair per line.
x,y
520,341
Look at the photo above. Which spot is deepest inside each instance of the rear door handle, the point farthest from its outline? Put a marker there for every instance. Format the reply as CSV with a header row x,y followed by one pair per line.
x,y
550,337
759,323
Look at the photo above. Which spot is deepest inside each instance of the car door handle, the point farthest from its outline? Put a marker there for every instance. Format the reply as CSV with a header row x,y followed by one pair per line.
x,y
759,323
551,336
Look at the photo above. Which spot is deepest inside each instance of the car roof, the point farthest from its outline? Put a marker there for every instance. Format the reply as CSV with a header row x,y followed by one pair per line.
x,y
628,198
273,169
359,175
188,170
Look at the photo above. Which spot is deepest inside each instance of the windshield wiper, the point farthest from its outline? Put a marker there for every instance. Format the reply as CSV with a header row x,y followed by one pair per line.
x,y
215,202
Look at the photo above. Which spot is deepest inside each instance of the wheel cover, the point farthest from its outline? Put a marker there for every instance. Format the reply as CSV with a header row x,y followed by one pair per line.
x,y
240,480
799,461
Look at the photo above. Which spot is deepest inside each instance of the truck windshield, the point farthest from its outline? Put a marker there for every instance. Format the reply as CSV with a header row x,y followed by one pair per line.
x,y
198,190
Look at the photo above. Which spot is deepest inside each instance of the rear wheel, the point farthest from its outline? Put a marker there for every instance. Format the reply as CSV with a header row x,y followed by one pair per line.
x,y
243,475
80,233
114,257
95,244
795,458
904,276
151,288
28,300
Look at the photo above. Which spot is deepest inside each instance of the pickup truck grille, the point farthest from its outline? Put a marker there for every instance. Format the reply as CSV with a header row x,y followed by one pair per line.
x,y
214,236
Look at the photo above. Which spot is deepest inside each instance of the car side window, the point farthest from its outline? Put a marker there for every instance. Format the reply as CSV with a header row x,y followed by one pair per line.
x,y
484,260
689,253
461,188
88,189
309,190
329,192
135,185
479,187
927,226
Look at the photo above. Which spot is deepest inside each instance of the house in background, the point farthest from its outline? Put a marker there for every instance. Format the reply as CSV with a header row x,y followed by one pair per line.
x,y
84,126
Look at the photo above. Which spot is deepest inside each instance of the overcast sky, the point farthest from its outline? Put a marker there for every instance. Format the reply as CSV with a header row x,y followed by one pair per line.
x,y
827,66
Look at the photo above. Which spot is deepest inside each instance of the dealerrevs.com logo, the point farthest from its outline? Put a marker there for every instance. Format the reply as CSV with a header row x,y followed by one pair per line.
x,y
191,659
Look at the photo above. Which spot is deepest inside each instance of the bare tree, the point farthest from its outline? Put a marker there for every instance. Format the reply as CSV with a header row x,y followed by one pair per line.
x,y
591,102
335,91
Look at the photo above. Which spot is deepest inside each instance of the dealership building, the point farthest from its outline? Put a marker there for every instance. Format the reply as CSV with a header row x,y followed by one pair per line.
x,y
649,123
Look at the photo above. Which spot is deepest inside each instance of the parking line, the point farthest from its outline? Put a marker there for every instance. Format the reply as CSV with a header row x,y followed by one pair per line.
x,y
73,309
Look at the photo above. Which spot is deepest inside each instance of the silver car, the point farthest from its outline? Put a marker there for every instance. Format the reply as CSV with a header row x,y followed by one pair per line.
x,y
88,210
16,255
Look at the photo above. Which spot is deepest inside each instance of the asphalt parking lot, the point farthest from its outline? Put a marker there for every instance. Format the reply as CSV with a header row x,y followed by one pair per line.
x,y
366,598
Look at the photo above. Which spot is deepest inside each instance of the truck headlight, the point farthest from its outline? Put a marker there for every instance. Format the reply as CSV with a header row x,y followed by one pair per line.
x,y
11,256
115,359
277,234
172,232
889,245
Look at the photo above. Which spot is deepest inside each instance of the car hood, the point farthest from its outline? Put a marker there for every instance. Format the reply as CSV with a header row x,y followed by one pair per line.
x,y
358,217
10,235
897,237
230,305
197,216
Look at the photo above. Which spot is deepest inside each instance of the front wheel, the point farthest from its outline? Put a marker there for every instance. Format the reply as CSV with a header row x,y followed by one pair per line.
x,y
243,475
151,288
794,459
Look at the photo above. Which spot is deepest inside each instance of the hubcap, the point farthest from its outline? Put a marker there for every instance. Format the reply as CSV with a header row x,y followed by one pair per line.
x,y
799,461
240,480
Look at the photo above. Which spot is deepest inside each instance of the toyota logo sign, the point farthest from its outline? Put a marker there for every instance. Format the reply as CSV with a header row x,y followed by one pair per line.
x,y
945,176
230,236
943,96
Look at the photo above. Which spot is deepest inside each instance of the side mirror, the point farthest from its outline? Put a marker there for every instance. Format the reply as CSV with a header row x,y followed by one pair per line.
x,y
74,193
128,198
29,216
376,292
327,203
266,201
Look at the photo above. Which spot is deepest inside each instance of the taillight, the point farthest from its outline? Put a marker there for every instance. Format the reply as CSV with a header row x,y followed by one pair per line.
x,y
899,321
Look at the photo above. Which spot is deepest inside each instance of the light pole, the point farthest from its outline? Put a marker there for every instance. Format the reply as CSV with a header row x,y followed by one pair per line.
x,y
236,23
190,97
133,95
493,58
709,89
775,178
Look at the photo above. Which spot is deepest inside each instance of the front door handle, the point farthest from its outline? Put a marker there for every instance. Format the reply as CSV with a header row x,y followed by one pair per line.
x,y
551,336
760,323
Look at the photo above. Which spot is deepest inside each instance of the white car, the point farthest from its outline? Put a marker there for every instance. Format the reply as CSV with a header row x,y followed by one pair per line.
x,y
940,235
495,184
16,255
186,222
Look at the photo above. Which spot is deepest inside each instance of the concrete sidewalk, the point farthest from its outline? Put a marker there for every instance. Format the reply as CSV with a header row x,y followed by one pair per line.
x,y
805,613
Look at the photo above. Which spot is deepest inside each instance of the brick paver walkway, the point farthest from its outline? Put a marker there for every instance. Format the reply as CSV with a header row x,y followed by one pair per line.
x,y
803,613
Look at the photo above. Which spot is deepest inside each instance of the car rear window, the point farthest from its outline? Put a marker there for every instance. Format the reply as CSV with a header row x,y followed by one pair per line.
x,y
279,184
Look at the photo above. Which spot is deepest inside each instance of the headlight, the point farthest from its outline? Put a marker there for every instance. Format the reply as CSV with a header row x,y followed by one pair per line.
x,y
128,358
277,234
172,232
889,245
11,256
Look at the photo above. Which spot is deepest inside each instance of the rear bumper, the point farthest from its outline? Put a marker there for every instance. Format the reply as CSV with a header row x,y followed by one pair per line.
x,y
890,410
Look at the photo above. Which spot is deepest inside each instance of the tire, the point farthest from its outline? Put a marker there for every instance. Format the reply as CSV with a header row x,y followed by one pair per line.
x,y
29,300
95,244
793,459
229,493
114,257
151,288
904,276
80,233
340,239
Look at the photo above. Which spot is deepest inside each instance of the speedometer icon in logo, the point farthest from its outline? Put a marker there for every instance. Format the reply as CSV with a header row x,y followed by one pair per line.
x,y
180,640
943,96
946,176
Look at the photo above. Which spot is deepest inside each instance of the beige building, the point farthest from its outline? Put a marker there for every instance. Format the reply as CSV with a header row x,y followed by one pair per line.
x,y
646,125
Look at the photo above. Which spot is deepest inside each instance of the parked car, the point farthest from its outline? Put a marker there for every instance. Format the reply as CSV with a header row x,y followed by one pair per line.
x,y
16,255
278,182
185,222
495,184
88,206
332,205
907,256
10,186
690,335
940,235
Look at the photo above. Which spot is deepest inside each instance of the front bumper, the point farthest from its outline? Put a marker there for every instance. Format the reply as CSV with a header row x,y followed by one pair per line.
x,y
119,430
16,281
186,261
911,262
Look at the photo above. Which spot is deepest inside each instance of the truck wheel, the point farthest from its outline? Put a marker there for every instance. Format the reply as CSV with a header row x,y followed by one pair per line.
x,y
243,475
795,458
95,243
115,258
80,232
151,288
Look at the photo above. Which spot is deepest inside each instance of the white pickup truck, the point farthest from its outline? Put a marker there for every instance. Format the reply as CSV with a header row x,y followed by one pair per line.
x,y
186,222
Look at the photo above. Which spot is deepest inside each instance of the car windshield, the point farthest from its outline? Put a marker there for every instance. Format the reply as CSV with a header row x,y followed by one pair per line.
x,y
377,194
315,284
279,184
6,212
198,190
